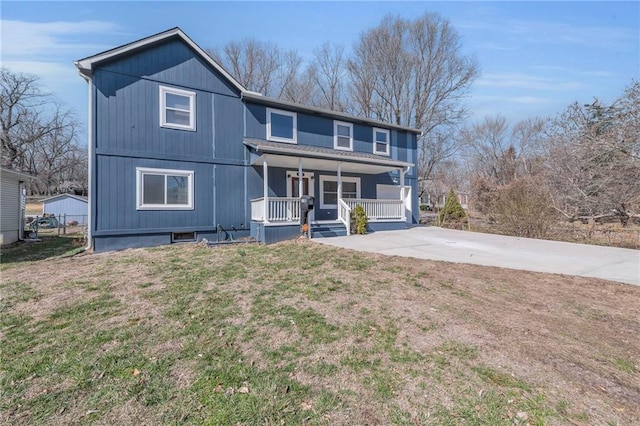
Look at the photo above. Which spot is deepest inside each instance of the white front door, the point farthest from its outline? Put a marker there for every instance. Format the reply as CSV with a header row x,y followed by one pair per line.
x,y
293,186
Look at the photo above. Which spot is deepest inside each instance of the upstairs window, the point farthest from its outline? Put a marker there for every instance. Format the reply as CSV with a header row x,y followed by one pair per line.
x,y
281,126
343,136
162,189
177,108
381,141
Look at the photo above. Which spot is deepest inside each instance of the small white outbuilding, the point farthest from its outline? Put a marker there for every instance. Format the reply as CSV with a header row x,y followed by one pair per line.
x,y
71,208
12,204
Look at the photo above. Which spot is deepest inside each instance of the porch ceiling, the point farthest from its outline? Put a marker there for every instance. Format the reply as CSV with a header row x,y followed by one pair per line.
x,y
287,156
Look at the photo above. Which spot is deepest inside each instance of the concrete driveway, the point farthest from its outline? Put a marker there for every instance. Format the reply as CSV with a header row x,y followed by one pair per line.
x,y
615,264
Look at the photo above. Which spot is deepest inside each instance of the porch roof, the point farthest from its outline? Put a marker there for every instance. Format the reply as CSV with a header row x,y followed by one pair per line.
x,y
286,155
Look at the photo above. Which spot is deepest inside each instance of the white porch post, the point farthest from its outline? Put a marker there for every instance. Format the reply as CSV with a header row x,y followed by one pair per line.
x,y
339,181
404,210
300,185
265,188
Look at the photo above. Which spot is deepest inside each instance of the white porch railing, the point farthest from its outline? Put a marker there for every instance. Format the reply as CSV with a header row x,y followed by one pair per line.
x,y
284,209
379,209
344,215
279,209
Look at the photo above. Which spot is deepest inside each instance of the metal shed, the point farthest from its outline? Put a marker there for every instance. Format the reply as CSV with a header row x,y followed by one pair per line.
x,y
74,207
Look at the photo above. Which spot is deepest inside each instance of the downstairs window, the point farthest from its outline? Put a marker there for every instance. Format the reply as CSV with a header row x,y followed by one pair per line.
x,y
163,189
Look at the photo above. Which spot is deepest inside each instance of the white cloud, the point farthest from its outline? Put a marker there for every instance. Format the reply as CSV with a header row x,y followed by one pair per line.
x,y
494,46
22,39
520,100
574,71
603,74
47,71
48,49
526,81
555,32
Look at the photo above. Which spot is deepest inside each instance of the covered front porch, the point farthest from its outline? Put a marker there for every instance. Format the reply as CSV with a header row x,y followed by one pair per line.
x,y
339,181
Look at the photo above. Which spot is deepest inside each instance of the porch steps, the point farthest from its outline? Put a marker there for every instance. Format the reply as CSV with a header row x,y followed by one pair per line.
x,y
324,230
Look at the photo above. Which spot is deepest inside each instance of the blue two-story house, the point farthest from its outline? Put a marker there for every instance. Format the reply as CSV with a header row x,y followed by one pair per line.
x,y
179,151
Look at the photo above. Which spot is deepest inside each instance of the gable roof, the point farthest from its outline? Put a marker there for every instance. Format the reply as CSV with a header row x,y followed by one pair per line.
x,y
75,197
85,66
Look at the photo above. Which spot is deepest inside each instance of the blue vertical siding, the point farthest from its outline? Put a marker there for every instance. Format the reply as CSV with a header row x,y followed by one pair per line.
x,y
315,130
230,199
116,177
172,62
363,138
229,128
128,120
254,182
255,121
127,134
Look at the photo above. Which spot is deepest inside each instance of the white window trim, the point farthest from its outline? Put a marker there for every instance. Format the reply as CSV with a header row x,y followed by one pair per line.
x,y
324,178
140,171
335,135
375,145
164,90
278,138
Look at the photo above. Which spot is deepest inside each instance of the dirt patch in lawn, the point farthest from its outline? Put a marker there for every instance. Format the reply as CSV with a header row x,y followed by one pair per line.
x,y
364,338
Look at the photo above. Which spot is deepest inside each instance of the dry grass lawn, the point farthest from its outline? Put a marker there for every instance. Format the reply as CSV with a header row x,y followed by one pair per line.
x,y
301,333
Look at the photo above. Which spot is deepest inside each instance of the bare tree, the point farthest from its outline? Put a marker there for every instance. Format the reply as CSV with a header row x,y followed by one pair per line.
x,y
593,167
499,153
412,73
296,86
362,81
261,66
39,136
490,150
328,71
527,137
20,102
406,72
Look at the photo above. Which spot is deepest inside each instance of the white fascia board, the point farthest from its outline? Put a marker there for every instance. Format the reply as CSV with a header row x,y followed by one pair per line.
x,y
85,66
19,175
75,197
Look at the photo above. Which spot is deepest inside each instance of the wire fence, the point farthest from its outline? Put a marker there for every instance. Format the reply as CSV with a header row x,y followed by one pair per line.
x,y
49,224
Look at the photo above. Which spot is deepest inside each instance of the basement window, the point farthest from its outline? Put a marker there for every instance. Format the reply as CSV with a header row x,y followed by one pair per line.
x,y
183,237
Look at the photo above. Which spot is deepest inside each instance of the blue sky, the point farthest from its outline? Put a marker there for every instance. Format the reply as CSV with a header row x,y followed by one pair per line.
x,y
536,57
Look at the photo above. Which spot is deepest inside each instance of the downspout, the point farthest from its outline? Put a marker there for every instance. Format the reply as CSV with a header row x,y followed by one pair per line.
x,y
90,165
